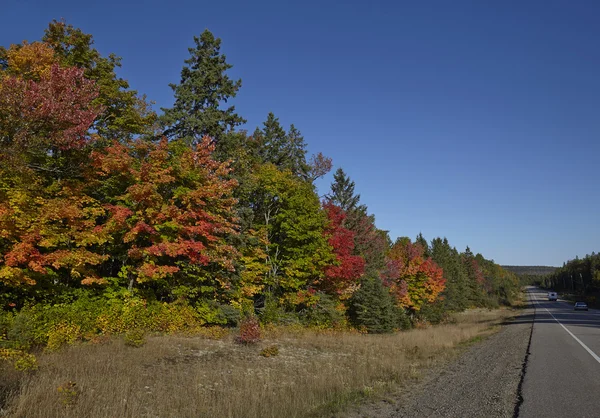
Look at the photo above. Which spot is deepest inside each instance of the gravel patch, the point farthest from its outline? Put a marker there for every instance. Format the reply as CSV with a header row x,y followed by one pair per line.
x,y
481,382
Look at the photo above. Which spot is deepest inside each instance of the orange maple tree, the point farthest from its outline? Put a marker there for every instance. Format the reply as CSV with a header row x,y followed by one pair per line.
x,y
412,278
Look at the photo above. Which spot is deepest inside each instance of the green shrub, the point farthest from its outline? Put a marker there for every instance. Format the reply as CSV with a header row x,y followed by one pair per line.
x,y
135,337
274,313
324,314
433,313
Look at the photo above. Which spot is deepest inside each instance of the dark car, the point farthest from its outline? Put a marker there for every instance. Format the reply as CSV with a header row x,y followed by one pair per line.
x,y
581,306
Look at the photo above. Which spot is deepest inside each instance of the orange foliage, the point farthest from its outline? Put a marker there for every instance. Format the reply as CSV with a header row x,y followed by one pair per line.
x,y
412,278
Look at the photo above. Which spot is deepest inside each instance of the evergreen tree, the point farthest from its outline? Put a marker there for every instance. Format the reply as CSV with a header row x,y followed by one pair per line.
x,y
456,293
295,153
271,141
423,243
372,307
342,192
287,151
203,88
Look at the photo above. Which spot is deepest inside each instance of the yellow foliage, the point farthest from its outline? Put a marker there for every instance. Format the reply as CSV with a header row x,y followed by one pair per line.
x,y
20,359
63,333
30,61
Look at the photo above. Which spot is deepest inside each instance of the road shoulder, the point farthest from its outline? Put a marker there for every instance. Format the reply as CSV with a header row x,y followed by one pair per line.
x,y
482,381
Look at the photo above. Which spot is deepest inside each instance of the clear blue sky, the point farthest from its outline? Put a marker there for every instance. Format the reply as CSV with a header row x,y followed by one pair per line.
x,y
478,121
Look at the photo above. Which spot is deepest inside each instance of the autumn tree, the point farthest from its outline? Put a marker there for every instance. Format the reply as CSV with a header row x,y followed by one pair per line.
x,y
46,219
370,242
203,90
170,209
342,277
413,279
125,114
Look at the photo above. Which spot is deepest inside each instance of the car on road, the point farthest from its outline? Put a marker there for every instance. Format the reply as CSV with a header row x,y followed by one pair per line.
x,y
581,306
552,296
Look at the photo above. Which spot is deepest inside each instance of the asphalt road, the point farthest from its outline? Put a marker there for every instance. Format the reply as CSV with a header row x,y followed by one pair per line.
x,y
562,375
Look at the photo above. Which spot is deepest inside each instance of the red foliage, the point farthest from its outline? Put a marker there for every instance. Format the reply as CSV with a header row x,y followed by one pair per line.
x,y
249,331
177,206
349,268
55,112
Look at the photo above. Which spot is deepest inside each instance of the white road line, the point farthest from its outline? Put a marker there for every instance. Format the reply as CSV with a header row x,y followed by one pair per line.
x,y
570,333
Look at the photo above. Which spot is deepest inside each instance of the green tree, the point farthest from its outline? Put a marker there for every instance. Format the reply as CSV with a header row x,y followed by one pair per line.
x,y
288,215
199,97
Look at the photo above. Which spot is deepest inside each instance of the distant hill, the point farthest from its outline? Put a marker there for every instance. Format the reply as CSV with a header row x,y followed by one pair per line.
x,y
531,270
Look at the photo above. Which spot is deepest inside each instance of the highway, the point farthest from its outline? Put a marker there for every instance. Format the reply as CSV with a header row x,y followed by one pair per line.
x,y
562,375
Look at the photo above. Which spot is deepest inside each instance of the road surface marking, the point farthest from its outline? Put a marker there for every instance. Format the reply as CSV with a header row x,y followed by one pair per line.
x,y
570,333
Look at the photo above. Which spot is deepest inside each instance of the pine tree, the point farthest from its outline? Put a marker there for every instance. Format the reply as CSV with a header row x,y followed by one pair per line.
x,y
456,293
203,88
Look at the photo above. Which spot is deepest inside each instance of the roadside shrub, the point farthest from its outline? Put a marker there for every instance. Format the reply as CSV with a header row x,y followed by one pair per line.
x,y
270,351
326,313
135,337
21,360
63,333
249,331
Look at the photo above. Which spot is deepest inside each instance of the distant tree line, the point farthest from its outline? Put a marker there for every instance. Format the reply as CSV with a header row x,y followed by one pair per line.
x,y
580,276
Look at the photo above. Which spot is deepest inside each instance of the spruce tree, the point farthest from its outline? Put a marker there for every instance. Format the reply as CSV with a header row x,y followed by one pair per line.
x,y
342,192
372,307
287,151
203,89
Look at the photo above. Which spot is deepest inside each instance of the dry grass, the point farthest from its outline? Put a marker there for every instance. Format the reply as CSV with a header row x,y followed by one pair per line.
x,y
314,373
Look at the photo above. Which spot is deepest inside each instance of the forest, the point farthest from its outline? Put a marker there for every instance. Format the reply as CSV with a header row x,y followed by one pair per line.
x,y
116,218
579,277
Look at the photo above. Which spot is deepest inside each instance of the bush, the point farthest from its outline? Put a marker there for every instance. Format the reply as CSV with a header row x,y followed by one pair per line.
x,y
324,314
433,313
273,313
63,333
20,359
135,337
270,351
249,331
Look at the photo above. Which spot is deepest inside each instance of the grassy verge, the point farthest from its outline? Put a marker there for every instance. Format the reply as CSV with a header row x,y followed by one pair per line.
x,y
309,374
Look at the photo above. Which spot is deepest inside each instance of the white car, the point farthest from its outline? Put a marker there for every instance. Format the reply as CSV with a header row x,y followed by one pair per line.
x,y
552,296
